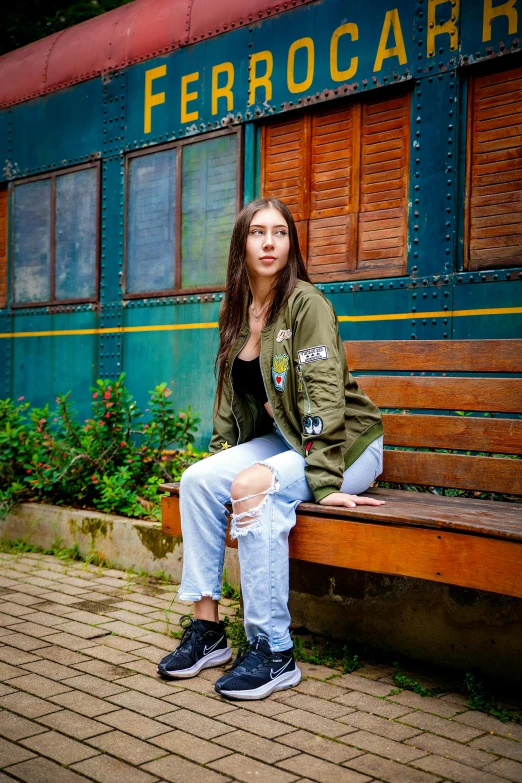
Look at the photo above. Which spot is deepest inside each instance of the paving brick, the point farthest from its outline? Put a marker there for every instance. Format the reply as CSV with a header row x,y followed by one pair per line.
x,y
77,726
361,684
322,771
427,704
145,705
50,607
133,618
198,703
267,727
381,726
83,703
38,686
27,705
460,773
107,671
60,598
206,728
74,614
14,727
94,685
16,657
389,771
485,722
316,706
142,667
382,746
137,725
314,723
446,728
8,621
147,685
4,690
499,745
158,640
361,701
22,642
40,770
45,619
61,655
84,631
317,746
59,748
317,672
324,690
51,670
123,644
246,769
106,769
127,748
35,629
125,629
140,608
453,750
180,770
110,655
71,642
268,707
14,610
506,768
258,747
192,748
7,672
12,754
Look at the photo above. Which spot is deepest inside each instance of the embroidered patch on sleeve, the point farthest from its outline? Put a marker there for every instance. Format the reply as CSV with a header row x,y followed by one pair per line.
x,y
308,447
312,425
280,370
225,445
308,355
283,334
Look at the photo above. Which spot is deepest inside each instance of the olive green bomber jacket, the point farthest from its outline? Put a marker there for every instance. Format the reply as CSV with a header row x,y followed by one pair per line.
x,y
316,402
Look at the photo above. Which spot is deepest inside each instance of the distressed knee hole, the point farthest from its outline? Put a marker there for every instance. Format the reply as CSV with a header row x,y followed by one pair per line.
x,y
247,509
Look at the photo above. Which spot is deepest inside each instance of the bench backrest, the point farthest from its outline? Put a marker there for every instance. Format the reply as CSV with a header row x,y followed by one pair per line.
x,y
418,383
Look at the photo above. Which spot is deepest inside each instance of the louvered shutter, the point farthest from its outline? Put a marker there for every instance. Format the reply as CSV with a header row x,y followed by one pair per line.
x,y
3,247
333,191
494,229
384,185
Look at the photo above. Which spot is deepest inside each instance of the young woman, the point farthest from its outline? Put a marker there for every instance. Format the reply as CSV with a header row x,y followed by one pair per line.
x,y
290,425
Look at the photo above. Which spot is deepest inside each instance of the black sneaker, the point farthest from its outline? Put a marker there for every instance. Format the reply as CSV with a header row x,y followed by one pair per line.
x,y
203,644
258,672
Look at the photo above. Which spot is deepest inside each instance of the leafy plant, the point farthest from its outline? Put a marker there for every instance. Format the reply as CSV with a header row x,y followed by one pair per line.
x,y
410,684
229,590
479,699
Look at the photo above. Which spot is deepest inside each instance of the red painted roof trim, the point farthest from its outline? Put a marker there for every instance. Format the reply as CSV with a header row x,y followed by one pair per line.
x,y
129,34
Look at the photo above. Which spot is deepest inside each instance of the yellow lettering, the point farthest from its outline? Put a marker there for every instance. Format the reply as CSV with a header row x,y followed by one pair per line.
x,y
302,43
226,90
391,20
340,76
263,80
150,99
506,9
187,97
448,27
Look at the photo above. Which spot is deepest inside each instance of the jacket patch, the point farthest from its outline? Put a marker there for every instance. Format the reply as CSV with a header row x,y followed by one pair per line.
x,y
299,374
315,354
312,425
283,334
308,447
280,370
225,445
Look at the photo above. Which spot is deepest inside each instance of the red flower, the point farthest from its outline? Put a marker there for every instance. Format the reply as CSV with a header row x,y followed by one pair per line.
x,y
87,427
146,427
28,471
181,415
129,460
42,421
94,479
95,395
107,395
122,444
21,398
107,415
100,424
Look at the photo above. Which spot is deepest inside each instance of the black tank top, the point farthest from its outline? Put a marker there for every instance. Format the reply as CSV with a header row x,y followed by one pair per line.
x,y
248,379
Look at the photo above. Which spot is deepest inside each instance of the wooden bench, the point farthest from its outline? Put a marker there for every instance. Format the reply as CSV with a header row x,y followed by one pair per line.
x,y
470,542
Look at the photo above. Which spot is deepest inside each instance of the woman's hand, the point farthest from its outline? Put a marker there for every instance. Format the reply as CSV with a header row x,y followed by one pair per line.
x,y
349,501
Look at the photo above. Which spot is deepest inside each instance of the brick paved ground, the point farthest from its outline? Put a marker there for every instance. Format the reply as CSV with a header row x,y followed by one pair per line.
x,y
80,700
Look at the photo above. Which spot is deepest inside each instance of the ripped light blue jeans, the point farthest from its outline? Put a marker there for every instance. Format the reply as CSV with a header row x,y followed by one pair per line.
x,y
263,542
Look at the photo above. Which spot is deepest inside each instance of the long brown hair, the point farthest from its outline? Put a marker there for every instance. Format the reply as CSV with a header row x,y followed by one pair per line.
x,y
237,289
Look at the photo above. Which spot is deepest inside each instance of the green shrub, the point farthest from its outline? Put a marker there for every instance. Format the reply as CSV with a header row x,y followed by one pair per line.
x,y
113,461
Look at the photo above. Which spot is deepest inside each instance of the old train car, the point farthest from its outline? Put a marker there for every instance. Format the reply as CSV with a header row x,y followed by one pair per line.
x,y
130,142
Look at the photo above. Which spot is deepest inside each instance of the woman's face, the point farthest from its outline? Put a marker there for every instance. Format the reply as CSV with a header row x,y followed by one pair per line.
x,y
267,244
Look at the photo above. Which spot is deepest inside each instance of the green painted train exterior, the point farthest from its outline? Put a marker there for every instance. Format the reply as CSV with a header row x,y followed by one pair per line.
x,y
51,349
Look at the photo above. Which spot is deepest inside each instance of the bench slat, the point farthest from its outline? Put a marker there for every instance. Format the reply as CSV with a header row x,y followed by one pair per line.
x,y
484,474
503,436
499,395
435,355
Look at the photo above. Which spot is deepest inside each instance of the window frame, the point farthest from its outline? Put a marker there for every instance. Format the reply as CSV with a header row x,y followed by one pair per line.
x,y
353,273
178,144
52,175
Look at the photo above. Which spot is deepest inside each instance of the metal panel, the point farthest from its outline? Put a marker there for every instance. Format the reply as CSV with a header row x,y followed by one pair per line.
x,y
476,303
32,241
111,271
151,222
75,234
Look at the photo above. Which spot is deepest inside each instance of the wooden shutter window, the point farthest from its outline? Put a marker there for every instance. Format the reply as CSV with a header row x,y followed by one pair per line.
x,y
343,174
3,247
384,185
494,176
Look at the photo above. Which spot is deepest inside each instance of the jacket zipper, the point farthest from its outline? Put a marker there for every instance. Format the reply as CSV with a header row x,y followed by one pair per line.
x,y
232,387
305,389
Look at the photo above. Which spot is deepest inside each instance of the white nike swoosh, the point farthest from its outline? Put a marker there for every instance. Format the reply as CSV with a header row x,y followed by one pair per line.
x,y
207,650
279,671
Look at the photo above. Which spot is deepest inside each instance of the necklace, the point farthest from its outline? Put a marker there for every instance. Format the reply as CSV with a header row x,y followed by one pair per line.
x,y
258,316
